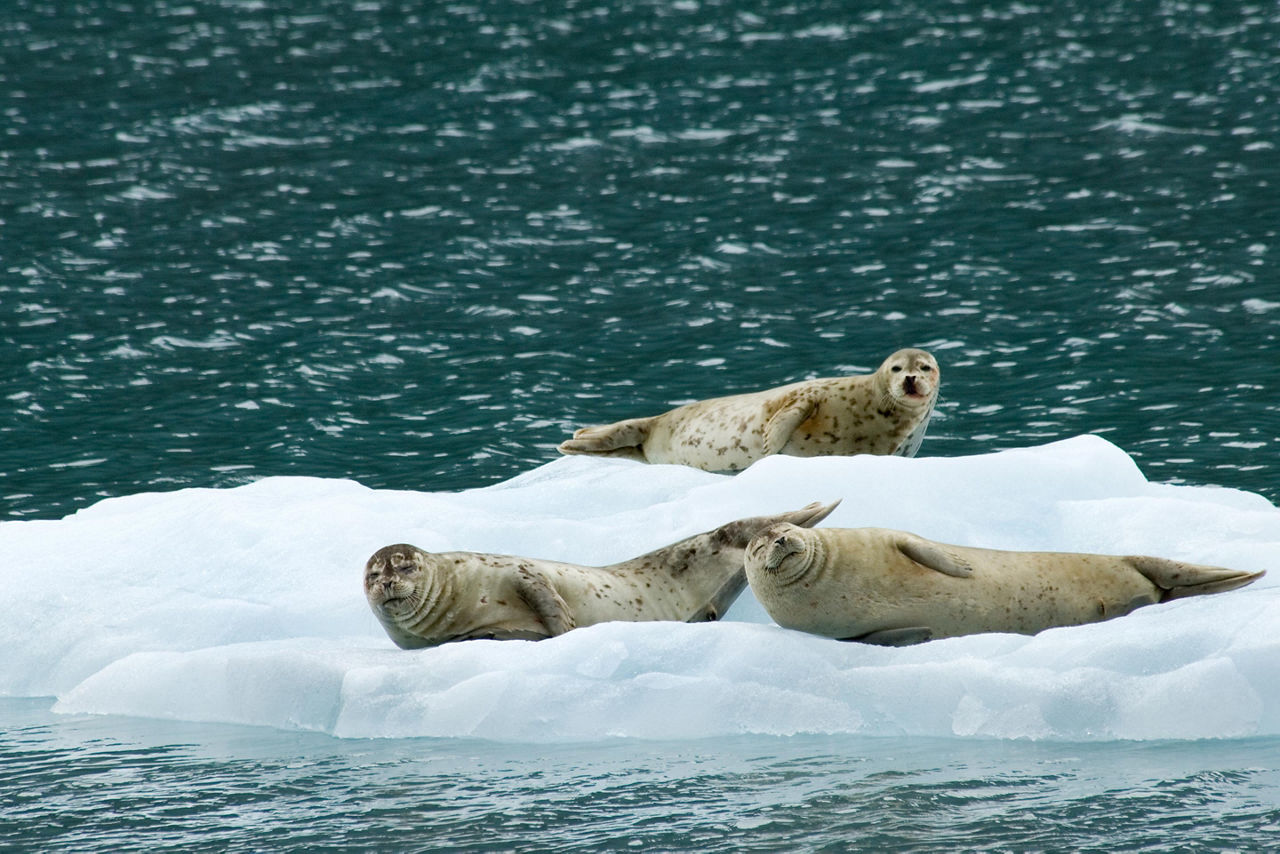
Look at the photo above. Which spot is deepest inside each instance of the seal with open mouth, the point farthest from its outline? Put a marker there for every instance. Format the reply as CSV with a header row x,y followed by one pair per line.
x,y
886,412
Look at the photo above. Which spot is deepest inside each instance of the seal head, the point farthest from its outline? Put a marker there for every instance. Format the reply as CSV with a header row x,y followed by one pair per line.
x,y
910,378
391,578
781,552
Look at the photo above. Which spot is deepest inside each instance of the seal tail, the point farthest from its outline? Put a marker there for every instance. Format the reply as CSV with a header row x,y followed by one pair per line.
x,y
623,439
737,534
728,542
1177,580
810,514
734,536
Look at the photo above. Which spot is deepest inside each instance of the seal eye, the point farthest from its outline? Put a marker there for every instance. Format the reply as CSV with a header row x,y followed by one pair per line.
x,y
897,369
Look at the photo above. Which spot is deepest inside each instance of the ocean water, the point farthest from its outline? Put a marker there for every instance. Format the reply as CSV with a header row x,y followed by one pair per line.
x,y
230,788
200,670
283,282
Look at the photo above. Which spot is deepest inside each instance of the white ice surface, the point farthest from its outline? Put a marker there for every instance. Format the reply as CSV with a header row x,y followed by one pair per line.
x,y
244,605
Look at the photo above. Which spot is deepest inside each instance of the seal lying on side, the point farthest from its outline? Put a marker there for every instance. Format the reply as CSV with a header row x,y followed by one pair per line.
x,y
425,599
893,588
882,413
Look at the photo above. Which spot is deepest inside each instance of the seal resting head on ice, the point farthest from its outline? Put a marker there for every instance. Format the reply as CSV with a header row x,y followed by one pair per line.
x,y
425,599
886,412
894,588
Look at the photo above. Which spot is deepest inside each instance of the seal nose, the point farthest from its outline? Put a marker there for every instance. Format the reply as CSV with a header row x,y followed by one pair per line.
x,y
782,547
909,384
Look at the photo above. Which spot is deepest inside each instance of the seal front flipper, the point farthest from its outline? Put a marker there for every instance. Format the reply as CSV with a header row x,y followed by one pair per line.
x,y
622,439
913,441
909,636
721,600
544,601
502,635
932,556
794,407
1177,579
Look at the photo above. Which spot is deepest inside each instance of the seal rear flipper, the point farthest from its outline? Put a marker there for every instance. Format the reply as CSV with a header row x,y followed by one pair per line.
x,y
810,514
544,601
934,557
623,439
740,532
794,407
1177,580
908,636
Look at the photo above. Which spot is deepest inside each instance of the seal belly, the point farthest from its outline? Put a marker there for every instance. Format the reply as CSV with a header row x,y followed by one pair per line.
x,y
844,431
723,434
1027,592
601,596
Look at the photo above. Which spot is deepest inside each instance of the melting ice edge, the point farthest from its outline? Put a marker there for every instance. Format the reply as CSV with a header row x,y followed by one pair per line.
x,y
244,605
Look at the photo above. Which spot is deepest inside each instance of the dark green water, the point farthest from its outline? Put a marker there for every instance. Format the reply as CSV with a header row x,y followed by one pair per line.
x,y
417,244
121,785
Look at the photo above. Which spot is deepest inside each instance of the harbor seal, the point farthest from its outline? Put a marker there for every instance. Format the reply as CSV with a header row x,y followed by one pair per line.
x,y
894,588
882,413
426,599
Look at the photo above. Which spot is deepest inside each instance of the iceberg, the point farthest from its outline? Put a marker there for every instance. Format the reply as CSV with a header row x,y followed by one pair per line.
x,y
244,605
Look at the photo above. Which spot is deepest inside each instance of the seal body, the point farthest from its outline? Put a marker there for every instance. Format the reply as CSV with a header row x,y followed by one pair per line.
x,y
426,599
882,413
894,588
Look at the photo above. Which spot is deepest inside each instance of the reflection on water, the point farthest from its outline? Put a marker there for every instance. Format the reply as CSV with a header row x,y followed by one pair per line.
x,y
109,782
418,247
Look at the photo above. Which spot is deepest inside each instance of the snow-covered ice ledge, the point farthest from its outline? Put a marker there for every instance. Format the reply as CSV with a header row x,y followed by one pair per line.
x,y
244,605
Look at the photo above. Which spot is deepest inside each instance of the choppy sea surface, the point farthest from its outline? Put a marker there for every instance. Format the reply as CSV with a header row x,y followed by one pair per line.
x,y
415,245
177,787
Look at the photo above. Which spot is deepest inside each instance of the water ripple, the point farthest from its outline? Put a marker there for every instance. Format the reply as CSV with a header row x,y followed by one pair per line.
x,y
223,215
80,783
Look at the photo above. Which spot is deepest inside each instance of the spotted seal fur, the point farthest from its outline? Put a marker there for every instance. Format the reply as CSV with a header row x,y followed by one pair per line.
x,y
894,588
886,413
424,599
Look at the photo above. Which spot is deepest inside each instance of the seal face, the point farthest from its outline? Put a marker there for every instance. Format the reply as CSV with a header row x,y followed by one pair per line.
x,y
882,413
894,588
426,599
